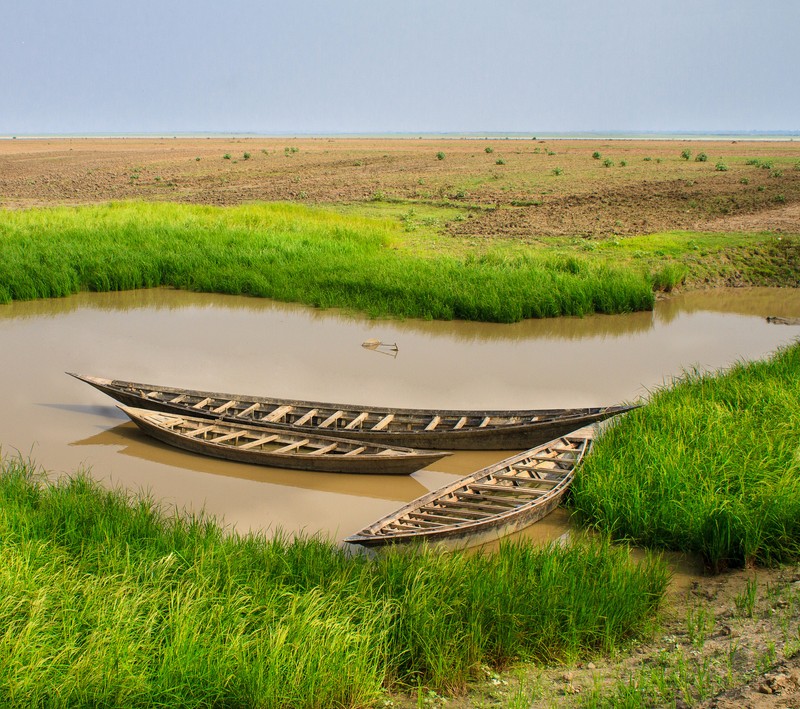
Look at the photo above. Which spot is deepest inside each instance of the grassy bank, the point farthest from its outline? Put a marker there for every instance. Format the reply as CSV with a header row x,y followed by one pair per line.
x,y
106,602
297,254
710,465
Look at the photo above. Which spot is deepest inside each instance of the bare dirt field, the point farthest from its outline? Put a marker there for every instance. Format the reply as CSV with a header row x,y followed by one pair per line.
x,y
512,188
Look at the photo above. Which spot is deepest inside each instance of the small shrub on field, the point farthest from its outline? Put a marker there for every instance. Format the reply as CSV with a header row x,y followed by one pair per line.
x,y
686,154
623,163
608,162
767,165
659,160
551,152
499,161
265,151
776,173
197,159
753,161
440,155
648,159
246,156
227,156
721,166
744,181
596,155
701,157
780,199
761,188
797,165
488,149
558,171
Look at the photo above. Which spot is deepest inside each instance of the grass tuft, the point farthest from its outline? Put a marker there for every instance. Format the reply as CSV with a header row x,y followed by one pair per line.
x,y
105,601
711,465
297,254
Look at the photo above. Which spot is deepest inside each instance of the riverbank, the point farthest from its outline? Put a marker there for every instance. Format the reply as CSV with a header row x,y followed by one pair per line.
x,y
367,264
107,600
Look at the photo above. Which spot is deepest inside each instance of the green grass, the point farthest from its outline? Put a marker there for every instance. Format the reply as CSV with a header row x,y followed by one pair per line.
x,y
298,254
105,601
711,465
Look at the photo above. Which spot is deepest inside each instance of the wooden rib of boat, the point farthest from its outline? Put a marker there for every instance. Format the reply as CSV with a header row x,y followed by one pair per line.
x,y
495,501
416,428
278,447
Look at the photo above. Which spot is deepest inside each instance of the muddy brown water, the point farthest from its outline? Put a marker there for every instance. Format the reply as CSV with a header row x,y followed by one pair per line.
x,y
245,345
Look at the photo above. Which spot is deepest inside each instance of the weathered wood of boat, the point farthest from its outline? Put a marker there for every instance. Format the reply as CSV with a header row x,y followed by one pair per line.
x,y
495,501
417,428
278,447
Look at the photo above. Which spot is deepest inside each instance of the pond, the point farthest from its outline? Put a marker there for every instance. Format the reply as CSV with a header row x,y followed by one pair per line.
x,y
246,345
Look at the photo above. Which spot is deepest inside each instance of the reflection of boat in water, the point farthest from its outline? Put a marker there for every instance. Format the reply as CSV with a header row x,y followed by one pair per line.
x,y
495,501
130,441
279,447
416,428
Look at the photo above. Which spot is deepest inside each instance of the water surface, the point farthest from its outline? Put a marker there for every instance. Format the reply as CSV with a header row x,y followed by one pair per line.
x,y
245,345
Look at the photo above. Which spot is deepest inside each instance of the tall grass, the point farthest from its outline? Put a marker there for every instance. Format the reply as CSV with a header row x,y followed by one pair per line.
x,y
105,601
711,465
294,253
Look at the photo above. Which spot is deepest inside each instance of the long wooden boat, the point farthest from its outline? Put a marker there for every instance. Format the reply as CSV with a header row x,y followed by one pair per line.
x,y
278,447
495,501
416,428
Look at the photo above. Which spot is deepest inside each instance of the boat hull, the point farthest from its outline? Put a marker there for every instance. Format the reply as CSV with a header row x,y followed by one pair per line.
x,y
409,428
386,462
480,507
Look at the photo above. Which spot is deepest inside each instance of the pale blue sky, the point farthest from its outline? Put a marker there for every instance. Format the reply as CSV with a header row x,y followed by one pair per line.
x,y
310,66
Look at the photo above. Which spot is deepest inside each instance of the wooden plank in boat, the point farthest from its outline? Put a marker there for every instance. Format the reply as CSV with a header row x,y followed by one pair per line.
x,y
250,409
459,506
203,402
201,430
277,414
227,437
259,442
460,423
434,422
356,451
293,446
324,449
331,419
447,518
383,423
513,489
178,399
521,479
474,498
357,420
485,422
306,417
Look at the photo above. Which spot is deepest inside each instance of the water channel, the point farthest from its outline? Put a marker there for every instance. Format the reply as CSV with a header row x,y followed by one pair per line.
x,y
245,345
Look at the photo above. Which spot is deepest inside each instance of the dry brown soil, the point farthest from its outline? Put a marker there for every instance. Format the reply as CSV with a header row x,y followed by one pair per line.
x,y
513,188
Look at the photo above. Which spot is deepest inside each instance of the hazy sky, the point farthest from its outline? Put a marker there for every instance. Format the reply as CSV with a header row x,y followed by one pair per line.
x,y
308,66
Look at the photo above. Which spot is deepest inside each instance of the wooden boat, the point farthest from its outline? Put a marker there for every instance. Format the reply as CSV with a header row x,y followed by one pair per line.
x,y
416,428
495,501
278,447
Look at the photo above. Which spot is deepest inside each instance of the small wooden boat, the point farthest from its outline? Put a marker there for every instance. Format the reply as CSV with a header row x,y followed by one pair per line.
x,y
278,447
495,501
416,428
